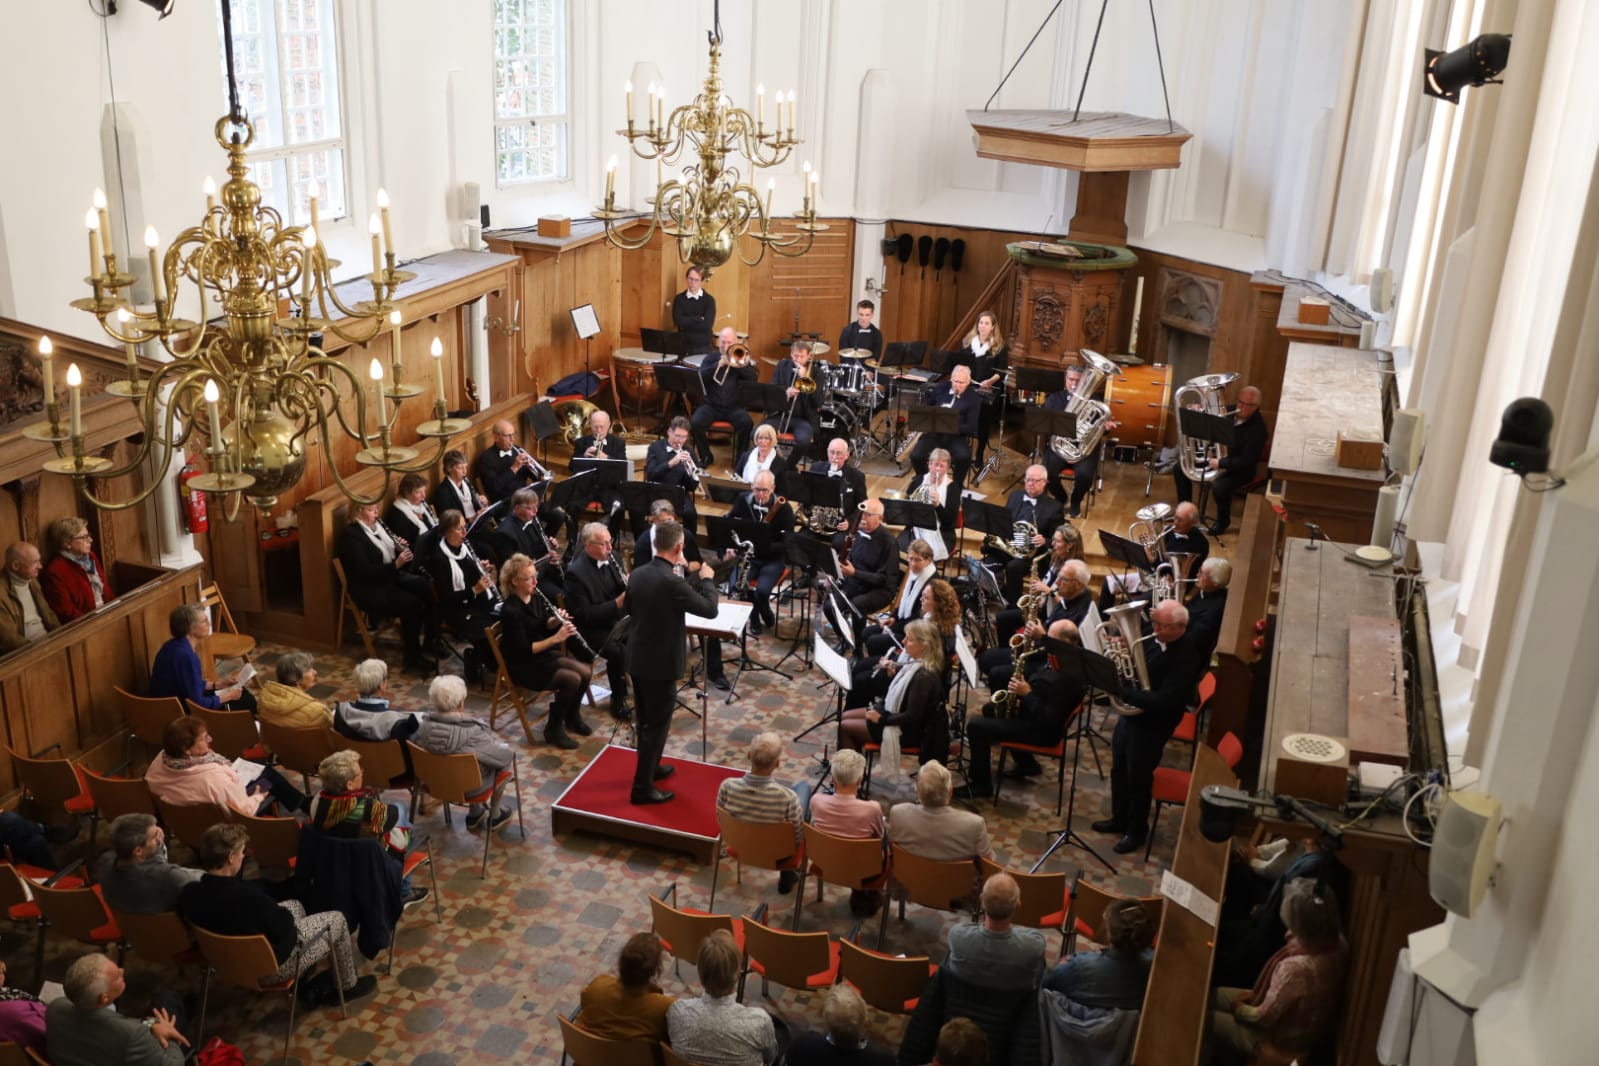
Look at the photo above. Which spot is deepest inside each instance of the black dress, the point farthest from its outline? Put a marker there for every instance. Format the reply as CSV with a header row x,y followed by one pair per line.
x,y
520,625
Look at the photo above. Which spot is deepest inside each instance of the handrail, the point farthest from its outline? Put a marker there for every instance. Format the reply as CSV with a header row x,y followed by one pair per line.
x,y
996,296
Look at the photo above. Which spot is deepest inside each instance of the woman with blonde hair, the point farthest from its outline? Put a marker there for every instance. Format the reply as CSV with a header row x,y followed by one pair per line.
x,y
74,580
915,694
984,351
533,640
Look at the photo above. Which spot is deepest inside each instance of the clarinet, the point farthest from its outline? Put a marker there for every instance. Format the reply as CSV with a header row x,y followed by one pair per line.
x,y
495,599
403,545
563,616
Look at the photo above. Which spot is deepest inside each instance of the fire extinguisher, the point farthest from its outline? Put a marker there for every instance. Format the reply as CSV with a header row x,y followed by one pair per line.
x,y
194,516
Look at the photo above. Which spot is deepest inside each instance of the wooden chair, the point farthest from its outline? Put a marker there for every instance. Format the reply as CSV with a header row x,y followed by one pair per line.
x,y
275,842
762,845
682,931
418,854
225,642
852,863
928,883
1085,915
505,688
586,1049
1171,786
79,913
1192,724
56,786
233,733
458,779
804,961
147,718
370,628
1045,898
116,796
21,904
891,983
247,962
189,821
161,939
1056,751
382,761
300,750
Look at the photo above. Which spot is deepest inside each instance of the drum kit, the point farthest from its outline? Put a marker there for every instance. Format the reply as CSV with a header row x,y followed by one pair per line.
x,y
849,399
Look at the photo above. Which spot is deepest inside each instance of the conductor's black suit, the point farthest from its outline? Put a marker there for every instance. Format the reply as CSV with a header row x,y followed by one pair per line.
x,y
657,600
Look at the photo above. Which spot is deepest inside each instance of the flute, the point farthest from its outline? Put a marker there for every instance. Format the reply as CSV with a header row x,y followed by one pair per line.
x,y
564,617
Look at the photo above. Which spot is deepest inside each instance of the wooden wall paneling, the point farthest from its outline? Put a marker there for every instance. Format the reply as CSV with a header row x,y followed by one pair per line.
x,y
815,288
1268,347
927,305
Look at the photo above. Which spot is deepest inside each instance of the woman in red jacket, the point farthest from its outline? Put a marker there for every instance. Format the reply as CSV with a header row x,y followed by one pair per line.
x,y
74,580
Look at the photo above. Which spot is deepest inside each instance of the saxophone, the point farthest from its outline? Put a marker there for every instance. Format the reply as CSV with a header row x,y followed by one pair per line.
x,y
1121,642
1021,649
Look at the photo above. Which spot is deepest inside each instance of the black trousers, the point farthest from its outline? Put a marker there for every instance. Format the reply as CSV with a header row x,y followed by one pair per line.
x,y
408,597
1084,472
706,413
985,732
767,575
654,702
1135,752
1222,490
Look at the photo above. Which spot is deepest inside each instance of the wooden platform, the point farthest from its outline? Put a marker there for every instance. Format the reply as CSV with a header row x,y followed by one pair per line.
x,y
1099,141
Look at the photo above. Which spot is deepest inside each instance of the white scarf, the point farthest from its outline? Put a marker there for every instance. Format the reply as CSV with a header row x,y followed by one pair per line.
x,y
418,511
463,490
980,348
455,559
897,687
753,465
913,593
385,543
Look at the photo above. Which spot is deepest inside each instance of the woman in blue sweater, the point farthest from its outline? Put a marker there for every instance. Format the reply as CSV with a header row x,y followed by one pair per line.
x,y
176,670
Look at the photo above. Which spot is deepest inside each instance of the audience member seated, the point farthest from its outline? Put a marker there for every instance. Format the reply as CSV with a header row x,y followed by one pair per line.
x,y
176,670
961,1043
221,902
288,702
25,613
1116,977
843,814
1294,1003
714,1029
83,1028
370,716
25,840
1252,927
21,1016
932,829
993,952
135,876
188,772
346,808
755,797
449,731
74,579
629,1005
845,1042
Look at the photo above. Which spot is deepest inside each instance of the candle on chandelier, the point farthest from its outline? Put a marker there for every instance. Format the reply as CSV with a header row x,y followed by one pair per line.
x,y
74,391
627,88
394,347
378,402
94,242
816,187
649,107
124,320
791,109
760,107
383,213
152,242
210,190
308,239
375,227
313,190
660,108
610,181
437,351
47,369
212,395
806,177
103,215
771,187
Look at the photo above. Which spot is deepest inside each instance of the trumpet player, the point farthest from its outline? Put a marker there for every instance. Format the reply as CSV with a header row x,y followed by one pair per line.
x,y
410,515
799,417
668,463
1139,740
524,531
456,492
505,466
596,595
600,443
1043,698
1033,505
535,634
464,588
721,377
375,566
761,504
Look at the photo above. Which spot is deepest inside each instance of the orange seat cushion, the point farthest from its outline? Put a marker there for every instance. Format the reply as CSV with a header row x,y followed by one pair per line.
x,y
1171,786
1187,728
823,979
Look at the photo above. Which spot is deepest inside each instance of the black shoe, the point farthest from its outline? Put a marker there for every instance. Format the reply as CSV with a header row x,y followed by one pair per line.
x,y
1127,843
720,682
654,795
663,771
364,986
1019,773
621,711
756,629
1217,529
1075,512
785,881
558,738
982,789
417,895
501,816
1106,825
575,724
419,665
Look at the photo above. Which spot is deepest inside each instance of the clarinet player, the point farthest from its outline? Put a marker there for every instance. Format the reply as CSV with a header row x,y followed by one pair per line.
x,y
536,653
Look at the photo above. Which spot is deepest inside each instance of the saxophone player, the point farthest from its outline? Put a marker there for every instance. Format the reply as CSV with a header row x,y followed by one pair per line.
x,y
721,377
467,595
761,504
596,594
1044,701
668,463
1033,505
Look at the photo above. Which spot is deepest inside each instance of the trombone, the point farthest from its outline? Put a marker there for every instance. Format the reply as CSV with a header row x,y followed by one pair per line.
x,y
736,357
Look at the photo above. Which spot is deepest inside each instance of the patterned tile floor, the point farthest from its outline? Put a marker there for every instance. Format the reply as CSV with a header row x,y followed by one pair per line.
x,y
515,949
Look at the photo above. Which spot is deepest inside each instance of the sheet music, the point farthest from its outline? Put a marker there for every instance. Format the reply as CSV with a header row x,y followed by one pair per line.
x,y
1089,630
248,771
935,540
1189,898
963,651
731,618
834,665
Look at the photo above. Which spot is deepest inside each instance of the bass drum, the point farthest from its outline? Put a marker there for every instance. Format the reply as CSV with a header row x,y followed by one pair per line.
x,y
635,378
834,419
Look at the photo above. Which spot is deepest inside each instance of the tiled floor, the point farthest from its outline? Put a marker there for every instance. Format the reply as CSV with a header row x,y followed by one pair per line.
x,y
515,949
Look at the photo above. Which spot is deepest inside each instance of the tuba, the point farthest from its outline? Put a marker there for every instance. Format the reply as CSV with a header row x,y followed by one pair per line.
x,y
1121,642
1151,525
1204,393
573,416
1091,414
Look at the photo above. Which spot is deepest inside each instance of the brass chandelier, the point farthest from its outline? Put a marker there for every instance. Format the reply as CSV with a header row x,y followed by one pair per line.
x,y
709,207
258,382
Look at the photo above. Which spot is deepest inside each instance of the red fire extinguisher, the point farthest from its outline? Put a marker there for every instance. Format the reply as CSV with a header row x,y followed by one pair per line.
x,y
194,516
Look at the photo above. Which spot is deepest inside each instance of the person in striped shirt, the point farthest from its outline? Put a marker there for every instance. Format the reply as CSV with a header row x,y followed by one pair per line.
x,y
756,797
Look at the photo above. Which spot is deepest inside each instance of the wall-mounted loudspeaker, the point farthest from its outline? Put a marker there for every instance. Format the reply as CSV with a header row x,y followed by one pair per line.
x,y
1405,440
1462,859
1382,290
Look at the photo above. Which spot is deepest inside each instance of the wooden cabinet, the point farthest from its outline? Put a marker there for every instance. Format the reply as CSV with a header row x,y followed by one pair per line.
x,y
1063,305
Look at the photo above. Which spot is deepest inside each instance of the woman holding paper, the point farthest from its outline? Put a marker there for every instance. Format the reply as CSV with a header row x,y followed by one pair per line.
x,y
176,670
188,772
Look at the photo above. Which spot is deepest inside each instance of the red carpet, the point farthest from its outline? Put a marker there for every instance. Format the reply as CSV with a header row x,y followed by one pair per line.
x,y
597,801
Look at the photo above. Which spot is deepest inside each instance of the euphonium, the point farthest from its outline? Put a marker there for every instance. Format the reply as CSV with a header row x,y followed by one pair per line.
x,y
1020,545
1091,414
1205,393
1171,575
1121,641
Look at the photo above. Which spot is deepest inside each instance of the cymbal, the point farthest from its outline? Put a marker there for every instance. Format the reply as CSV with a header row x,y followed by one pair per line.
x,y
854,353
820,347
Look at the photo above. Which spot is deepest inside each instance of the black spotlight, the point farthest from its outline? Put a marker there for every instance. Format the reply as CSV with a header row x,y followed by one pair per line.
x,y
163,8
1444,74
1523,444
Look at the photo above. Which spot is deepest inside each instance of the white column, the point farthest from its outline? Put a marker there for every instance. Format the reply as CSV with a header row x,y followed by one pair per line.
x,y
170,545
872,183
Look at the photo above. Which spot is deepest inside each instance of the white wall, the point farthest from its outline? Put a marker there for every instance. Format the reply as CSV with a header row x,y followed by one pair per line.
x,y
1242,76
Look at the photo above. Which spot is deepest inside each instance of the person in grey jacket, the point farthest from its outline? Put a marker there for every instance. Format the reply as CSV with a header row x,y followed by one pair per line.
x,y
83,1027
448,730
135,875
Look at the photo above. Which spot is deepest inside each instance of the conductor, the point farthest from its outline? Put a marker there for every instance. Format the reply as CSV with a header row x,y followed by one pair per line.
x,y
658,597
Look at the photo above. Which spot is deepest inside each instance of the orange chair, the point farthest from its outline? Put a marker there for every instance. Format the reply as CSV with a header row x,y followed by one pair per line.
x,y
225,641
1171,786
189,821
683,930
804,961
872,750
248,962
57,786
586,1049
1056,751
525,702
116,796
162,939
78,912
1085,914
1192,724
382,761
1044,898
370,627
458,779
147,718
760,845
301,750
891,983
930,883
233,733
17,898
852,863
275,842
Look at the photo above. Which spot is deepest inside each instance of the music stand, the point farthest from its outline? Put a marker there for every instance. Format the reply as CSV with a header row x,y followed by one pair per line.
x,y
762,396
1044,424
1092,671
989,519
582,485
720,531
607,473
662,342
932,421
813,557
837,670
638,495
721,490
681,381
730,623
910,514
1212,429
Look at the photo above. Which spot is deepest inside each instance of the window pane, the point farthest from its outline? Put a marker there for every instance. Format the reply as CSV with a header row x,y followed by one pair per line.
x,y
530,89
530,153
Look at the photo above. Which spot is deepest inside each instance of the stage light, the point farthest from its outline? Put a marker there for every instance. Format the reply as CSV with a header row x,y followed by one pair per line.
x,y
163,8
1478,62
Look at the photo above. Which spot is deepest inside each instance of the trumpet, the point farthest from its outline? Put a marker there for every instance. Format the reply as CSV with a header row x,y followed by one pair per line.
x,y
736,357
689,464
540,471
596,449
564,617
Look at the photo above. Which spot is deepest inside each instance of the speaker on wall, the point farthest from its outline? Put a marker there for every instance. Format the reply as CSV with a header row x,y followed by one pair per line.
x,y
1382,290
1405,439
1462,859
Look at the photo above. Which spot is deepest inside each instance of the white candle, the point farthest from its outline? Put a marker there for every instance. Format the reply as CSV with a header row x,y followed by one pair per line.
x,y
437,351
771,187
308,264
375,227
315,222
627,88
210,190
649,107
104,218
760,106
152,242
212,395
394,344
74,388
47,368
610,181
791,110
378,402
123,322
94,242
388,229
816,189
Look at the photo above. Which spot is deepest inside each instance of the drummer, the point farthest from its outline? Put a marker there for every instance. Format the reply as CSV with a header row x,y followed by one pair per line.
x,y
861,333
799,417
